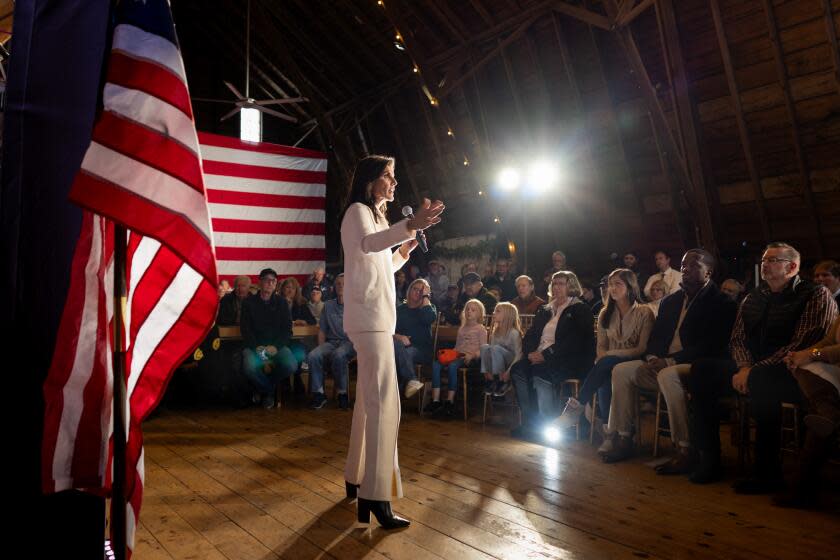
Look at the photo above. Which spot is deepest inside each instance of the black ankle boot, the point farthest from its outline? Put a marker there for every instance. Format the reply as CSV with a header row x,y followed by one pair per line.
x,y
351,489
382,512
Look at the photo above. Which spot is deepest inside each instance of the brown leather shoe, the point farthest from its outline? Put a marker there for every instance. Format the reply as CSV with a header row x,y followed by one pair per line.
x,y
622,449
681,463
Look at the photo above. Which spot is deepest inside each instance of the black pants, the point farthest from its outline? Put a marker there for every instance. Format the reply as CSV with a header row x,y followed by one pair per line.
x,y
768,387
536,386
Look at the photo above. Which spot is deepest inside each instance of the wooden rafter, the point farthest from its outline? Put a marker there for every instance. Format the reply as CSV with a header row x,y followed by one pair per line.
x,y
631,14
353,36
593,170
449,87
675,194
801,158
743,131
482,11
582,14
517,100
535,60
403,155
449,19
831,31
614,126
689,164
439,161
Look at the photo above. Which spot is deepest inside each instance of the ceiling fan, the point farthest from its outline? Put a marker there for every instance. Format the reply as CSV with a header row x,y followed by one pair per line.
x,y
246,101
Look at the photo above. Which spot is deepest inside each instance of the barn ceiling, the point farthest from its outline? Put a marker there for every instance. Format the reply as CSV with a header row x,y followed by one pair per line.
x,y
676,122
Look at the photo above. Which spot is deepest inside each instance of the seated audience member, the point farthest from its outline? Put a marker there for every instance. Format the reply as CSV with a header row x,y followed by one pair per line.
x,y
598,304
732,289
817,372
465,269
449,308
230,308
657,291
496,292
471,336
301,315
316,303
664,273
503,280
413,338
504,348
827,273
474,289
559,345
558,263
526,302
266,332
624,327
224,289
693,322
631,261
401,285
438,280
320,279
333,345
784,313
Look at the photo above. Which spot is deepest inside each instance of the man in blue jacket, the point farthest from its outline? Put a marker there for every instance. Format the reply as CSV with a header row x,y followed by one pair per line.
x,y
693,322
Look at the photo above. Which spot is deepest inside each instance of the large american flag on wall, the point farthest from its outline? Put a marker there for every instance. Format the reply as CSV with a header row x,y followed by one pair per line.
x,y
267,206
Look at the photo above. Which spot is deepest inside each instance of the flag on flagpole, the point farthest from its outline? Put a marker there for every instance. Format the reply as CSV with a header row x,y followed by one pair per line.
x,y
141,170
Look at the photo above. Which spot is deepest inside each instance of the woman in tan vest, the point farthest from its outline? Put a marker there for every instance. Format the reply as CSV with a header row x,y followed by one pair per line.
x,y
372,470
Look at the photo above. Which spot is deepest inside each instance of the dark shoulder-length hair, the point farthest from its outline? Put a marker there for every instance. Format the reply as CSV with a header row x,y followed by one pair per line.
x,y
368,169
629,278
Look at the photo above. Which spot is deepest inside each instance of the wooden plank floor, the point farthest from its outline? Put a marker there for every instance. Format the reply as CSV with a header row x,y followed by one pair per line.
x,y
268,484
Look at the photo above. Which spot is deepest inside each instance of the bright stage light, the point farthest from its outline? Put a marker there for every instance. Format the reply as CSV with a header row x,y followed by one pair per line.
x,y
543,175
508,179
551,434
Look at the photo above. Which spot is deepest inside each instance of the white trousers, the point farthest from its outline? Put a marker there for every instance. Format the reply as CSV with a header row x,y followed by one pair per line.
x,y
627,376
372,457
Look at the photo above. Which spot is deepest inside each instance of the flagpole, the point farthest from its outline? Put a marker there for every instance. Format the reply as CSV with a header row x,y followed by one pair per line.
x,y
118,483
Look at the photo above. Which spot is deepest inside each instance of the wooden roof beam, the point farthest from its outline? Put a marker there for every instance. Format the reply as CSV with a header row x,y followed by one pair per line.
x,y
517,101
403,155
832,39
801,158
582,14
482,11
631,14
691,171
449,19
743,131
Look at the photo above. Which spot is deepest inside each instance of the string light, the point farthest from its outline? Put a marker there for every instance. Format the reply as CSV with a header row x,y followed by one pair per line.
x,y
433,101
480,193
450,133
497,220
380,2
398,36
466,161
415,69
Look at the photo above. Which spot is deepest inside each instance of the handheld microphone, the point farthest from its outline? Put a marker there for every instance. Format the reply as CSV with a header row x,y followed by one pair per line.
x,y
419,236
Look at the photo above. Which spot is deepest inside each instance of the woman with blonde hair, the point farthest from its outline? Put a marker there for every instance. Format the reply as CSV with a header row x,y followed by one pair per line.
x,y
471,336
504,349
290,291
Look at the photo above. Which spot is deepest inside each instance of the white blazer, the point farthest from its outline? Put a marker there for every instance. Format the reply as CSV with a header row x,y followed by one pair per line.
x,y
369,267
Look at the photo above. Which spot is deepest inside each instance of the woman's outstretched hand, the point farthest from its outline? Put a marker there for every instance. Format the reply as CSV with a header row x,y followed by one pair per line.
x,y
427,215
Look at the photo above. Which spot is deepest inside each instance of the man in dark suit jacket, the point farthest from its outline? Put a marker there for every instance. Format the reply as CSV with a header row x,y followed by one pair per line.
x,y
693,322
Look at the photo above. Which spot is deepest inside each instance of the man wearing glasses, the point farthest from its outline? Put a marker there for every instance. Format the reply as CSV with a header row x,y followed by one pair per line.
x,y
784,313
266,331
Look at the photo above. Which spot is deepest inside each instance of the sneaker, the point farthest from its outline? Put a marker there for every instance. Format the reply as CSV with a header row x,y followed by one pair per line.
x,y
571,415
432,408
318,401
623,448
268,402
412,387
489,387
343,401
502,387
448,409
304,366
608,444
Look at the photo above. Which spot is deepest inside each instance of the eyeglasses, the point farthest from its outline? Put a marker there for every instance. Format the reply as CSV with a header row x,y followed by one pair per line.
x,y
772,260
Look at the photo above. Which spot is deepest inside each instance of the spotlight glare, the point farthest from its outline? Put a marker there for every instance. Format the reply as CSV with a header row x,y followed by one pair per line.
x,y
508,179
543,175
551,434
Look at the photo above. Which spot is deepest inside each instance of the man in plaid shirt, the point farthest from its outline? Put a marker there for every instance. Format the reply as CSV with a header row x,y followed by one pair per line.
x,y
784,313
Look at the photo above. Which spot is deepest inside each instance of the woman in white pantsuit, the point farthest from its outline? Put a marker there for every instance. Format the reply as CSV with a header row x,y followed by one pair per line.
x,y
369,319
